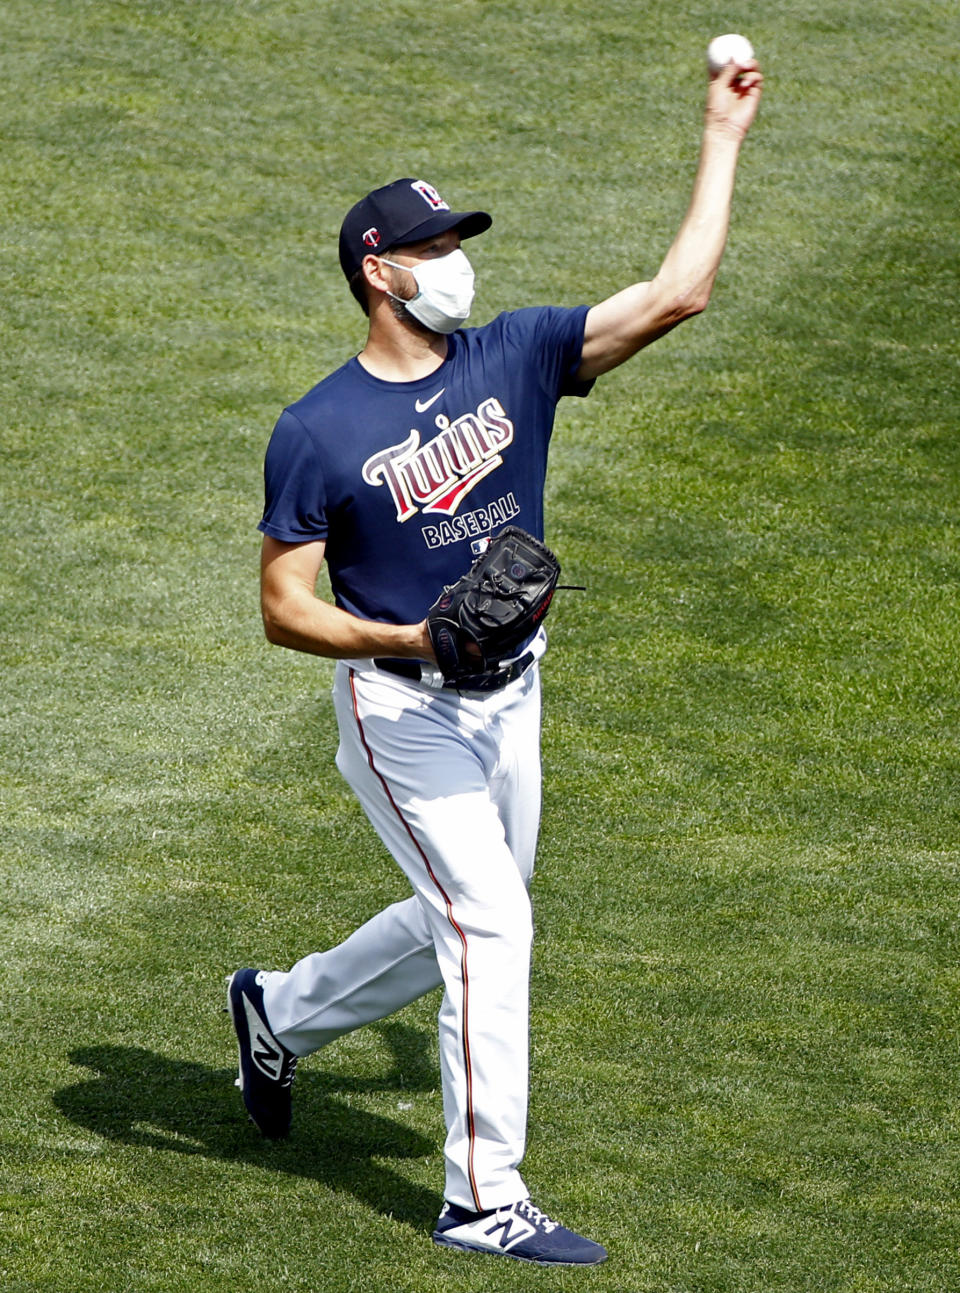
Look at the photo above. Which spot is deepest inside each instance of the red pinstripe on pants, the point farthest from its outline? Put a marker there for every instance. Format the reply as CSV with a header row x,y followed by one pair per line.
x,y
464,974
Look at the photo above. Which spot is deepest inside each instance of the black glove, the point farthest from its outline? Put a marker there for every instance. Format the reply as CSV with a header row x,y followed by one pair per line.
x,y
494,608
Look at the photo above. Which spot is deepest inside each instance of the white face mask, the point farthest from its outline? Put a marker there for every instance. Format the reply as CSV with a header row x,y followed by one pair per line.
x,y
445,291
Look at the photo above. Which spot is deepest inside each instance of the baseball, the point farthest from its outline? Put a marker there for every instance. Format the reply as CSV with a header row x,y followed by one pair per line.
x,y
728,49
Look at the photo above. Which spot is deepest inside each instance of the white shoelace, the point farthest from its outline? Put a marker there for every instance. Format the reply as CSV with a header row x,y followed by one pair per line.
x,y
536,1216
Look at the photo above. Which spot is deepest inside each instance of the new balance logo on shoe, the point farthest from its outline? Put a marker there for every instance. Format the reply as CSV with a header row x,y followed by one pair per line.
x,y
514,1230
263,1049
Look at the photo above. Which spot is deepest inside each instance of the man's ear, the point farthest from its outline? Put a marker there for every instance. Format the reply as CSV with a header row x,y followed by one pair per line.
x,y
375,273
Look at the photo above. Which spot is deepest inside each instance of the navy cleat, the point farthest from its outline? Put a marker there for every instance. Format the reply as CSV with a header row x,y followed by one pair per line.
x,y
266,1066
519,1230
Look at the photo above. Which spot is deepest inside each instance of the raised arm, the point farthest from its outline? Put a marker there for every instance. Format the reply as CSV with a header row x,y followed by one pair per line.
x,y
626,322
295,617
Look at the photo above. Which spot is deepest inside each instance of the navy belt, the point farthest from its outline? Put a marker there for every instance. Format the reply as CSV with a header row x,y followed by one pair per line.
x,y
411,670
402,668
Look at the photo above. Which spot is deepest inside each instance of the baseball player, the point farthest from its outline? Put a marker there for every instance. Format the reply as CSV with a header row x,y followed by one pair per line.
x,y
395,470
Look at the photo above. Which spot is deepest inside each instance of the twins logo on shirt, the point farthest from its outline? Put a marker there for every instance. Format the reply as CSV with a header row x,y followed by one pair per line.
x,y
437,476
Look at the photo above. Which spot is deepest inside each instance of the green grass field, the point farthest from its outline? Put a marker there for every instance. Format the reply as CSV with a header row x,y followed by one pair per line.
x,y
747,974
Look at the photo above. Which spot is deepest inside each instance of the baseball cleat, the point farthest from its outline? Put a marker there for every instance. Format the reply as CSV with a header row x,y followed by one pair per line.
x,y
266,1066
519,1230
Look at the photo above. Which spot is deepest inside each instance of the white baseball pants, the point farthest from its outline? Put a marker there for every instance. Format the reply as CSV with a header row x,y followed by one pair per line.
x,y
452,786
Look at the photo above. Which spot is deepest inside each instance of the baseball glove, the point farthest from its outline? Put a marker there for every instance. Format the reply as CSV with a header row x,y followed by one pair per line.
x,y
492,610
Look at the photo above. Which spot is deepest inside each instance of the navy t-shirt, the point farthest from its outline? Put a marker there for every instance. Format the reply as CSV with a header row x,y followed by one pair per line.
x,y
405,480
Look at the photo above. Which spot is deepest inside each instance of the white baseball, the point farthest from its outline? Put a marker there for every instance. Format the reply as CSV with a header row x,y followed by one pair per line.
x,y
728,49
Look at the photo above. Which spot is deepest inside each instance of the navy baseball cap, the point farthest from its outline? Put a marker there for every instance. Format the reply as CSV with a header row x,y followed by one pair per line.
x,y
405,211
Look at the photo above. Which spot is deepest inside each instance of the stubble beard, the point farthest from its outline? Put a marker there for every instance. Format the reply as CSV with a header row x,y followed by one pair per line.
x,y
403,315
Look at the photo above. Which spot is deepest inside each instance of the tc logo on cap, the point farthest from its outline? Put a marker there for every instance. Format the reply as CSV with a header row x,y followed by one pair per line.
x,y
430,195
372,237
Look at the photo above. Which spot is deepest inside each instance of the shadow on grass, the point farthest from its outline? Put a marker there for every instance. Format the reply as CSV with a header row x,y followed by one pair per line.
x,y
143,1099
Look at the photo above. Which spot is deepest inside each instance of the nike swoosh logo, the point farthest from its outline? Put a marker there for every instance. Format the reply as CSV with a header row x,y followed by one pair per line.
x,y
422,405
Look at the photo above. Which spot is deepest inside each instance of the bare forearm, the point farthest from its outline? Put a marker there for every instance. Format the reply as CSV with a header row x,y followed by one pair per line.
x,y
690,266
307,623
